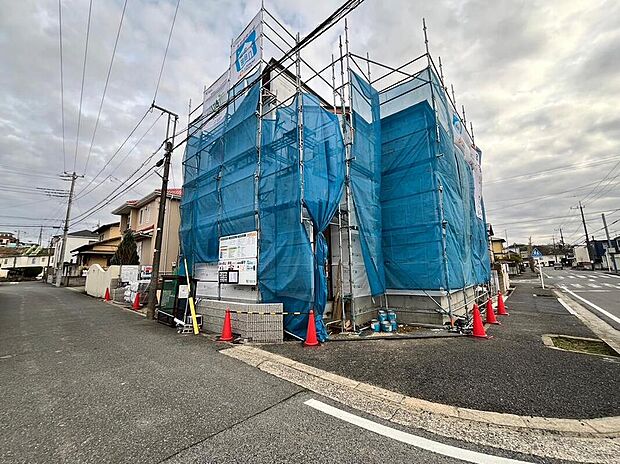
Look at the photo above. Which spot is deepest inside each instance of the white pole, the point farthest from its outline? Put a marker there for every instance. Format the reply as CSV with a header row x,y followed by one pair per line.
x,y
542,279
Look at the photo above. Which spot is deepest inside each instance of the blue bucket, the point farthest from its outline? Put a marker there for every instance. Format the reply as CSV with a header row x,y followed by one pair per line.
x,y
394,326
386,326
375,325
382,316
391,315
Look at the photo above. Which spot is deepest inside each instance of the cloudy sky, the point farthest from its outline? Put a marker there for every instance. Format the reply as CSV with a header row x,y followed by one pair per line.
x,y
539,79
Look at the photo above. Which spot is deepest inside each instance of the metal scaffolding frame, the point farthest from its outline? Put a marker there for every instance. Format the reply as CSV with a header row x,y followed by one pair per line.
x,y
274,33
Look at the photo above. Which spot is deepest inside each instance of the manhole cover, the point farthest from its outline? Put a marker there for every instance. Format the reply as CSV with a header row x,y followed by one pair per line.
x,y
579,345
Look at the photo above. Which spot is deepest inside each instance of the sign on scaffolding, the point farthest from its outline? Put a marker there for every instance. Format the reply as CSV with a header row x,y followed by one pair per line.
x,y
238,258
246,50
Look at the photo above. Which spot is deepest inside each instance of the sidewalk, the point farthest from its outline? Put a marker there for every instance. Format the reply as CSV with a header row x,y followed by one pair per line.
x,y
511,373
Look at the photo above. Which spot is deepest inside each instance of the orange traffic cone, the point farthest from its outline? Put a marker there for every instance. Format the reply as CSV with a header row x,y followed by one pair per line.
x,y
478,330
311,339
491,319
227,335
136,302
107,295
501,308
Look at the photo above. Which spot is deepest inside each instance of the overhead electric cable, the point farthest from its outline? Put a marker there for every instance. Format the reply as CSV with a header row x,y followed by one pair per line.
x,y
116,152
120,163
77,137
161,71
105,87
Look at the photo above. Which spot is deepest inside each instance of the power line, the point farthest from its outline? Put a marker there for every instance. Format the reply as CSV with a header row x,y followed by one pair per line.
x,y
116,152
538,173
77,137
109,176
601,181
161,71
62,90
105,87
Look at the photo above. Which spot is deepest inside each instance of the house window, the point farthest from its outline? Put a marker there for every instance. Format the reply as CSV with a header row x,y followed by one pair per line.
x,y
34,260
145,215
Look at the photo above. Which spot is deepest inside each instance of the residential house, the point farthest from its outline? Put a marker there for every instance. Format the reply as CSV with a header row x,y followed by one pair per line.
x,y
100,251
25,260
497,248
8,239
74,240
141,217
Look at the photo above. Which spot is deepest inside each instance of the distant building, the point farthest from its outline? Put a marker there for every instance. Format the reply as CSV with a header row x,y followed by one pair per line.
x,y
25,260
100,251
74,240
140,216
7,239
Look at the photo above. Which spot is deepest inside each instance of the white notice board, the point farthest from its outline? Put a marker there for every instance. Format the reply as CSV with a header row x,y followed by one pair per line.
x,y
239,253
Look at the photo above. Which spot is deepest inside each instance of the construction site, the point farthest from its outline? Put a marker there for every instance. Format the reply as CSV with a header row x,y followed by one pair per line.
x,y
343,187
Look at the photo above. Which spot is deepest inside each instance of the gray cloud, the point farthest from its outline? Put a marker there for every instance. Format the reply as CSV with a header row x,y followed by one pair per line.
x,y
539,80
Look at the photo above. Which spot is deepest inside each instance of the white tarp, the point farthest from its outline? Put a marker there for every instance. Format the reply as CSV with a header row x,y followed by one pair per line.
x,y
215,97
246,50
471,155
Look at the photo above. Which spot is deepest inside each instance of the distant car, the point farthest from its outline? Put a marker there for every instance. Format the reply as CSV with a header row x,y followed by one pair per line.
x,y
558,266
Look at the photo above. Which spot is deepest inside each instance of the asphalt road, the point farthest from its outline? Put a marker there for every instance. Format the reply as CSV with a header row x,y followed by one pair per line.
x,y
85,381
596,290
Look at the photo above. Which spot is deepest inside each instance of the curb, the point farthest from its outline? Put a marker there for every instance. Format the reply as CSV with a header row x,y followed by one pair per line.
x,y
548,437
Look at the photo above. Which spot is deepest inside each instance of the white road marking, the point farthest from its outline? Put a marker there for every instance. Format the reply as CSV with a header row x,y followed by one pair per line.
x,y
568,308
592,291
577,285
571,277
561,277
614,275
582,276
408,438
594,286
611,286
604,276
547,275
598,308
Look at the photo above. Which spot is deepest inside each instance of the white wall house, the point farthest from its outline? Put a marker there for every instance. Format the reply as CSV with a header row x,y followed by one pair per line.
x,y
74,240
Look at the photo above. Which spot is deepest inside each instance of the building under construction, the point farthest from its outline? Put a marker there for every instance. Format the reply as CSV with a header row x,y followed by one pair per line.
x,y
364,196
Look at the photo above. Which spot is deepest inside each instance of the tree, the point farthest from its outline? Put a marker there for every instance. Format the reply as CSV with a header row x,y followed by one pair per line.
x,y
127,252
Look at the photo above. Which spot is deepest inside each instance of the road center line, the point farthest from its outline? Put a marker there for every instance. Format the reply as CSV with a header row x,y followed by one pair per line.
x,y
408,438
598,308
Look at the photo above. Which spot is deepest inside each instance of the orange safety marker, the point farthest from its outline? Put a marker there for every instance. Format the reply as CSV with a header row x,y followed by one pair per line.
x,y
227,335
478,330
501,308
311,339
491,319
136,302
107,295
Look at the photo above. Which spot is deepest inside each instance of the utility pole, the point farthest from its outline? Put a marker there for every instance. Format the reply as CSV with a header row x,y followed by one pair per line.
x,y
65,230
163,194
585,230
529,254
555,254
609,244
16,248
40,235
561,238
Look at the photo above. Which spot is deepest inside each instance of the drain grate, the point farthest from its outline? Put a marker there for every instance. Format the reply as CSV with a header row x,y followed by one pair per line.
x,y
579,345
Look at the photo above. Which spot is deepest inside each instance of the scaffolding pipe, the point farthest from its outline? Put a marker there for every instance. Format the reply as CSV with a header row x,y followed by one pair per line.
x,y
347,146
341,263
259,140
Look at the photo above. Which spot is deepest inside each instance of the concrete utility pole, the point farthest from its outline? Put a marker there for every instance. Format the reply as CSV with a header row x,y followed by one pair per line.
x,y
609,243
529,254
555,253
585,230
65,231
16,248
163,194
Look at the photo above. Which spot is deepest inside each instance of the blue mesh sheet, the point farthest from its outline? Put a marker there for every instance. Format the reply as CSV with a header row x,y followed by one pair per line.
x,y
323,187
366,178
288,271
218,183
412,244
